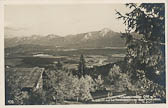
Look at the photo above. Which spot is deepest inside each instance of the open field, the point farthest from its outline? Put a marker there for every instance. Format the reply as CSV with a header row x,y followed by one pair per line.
x,y
70,59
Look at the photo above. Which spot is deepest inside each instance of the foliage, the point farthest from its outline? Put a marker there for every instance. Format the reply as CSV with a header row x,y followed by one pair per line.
x,y
59,65
58,85
145,51
85,87
67,86
99,83
114,73
35,98
12,89
121,81
14,93
81,67
147,87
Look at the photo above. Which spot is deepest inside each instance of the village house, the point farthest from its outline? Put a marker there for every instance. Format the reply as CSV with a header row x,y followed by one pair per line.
x,y
30,78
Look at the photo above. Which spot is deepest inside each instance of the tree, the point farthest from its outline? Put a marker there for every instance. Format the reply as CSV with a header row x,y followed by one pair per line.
x,y
81,67
34,98
146,46
85,88
120,81
13,93
59,64
64,86
114,74
99,83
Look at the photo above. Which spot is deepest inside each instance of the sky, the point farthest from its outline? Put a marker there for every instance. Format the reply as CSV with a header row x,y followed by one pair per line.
x,y
63,19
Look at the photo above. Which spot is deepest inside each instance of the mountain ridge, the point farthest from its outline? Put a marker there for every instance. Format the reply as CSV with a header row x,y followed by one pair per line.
x,y
102,38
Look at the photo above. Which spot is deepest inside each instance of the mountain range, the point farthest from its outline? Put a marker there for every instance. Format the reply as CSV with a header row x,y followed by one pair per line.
x,y
95,39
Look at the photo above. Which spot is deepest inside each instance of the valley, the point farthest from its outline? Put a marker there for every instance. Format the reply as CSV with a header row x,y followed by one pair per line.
x,y
70,58
84,53
75,69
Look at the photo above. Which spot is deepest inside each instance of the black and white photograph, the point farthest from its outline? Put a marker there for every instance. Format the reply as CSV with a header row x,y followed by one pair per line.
x,y
90,53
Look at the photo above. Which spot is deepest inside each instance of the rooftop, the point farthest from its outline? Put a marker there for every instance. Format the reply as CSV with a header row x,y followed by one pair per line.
x,y
28,76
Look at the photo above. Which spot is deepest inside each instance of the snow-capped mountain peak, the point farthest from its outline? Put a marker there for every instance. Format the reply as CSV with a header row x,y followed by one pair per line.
x,y
88,35
34,37
104,31
50,36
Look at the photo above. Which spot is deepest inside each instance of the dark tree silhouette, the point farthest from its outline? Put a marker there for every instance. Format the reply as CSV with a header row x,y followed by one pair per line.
x,y
81,67
59,64
145,41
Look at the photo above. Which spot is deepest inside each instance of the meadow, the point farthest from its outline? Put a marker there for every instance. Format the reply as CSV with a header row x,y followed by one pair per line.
x,y
70,58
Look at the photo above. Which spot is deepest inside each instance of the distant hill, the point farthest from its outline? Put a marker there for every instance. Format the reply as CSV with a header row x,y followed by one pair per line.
x,y
94,39
48,40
